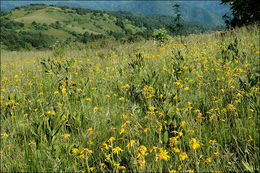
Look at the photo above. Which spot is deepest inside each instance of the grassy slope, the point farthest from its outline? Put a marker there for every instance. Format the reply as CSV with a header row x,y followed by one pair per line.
x,y
91,23
197,95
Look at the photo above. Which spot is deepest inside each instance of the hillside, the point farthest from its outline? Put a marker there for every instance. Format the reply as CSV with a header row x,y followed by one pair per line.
x,y
64,24
208,12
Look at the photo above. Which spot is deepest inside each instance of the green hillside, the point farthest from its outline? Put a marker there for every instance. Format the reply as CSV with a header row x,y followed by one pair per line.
x,y
41,26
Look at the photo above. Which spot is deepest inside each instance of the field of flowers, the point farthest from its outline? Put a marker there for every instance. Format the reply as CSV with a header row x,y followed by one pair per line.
x,y
187,105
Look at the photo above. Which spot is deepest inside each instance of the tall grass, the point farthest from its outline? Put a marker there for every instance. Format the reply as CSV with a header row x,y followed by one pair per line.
x,y
191,104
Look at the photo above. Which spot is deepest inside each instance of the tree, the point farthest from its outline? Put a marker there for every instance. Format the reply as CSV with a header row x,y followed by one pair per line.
x,y
177,28
244,12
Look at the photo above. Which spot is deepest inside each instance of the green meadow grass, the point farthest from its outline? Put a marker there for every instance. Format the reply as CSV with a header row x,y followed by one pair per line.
x,y
187,105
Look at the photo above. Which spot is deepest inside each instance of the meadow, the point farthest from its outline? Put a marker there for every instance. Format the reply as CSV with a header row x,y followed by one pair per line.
x,y
189,104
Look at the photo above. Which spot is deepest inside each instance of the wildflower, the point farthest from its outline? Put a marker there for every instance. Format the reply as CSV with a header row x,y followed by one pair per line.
x,y
95,108
163,154
173,141
86,150
117,150
56,92
126,86
125,124
130,144
208,160
32,143
111,139
105,145
175,150
103,165
212,142
75,150
153,149
141,163
194,143
172,171
231,107
90,130
4,134
64,92
186,88
66,135
121,131
141,151
183,156
249,138
146,129
125,116
26,115
122,168
251,110
116,165
108,157
88,99
91,168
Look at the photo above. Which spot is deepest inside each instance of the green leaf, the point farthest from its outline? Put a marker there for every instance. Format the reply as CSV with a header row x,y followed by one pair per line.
x,y
165,137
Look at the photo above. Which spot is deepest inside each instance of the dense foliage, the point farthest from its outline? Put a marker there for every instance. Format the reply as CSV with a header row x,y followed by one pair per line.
x,y
244,12
33,26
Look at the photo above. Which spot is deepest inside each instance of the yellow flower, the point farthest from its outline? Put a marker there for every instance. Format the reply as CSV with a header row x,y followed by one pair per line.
x,y
121,131
88,99
130,144
92,168
90,130
162,155
208,160
86,150
146,129
175,150
117,165
111,139
32,143
122,168
117,150
186,88
182,123
183,156
121,98
103,165
108,157
64,92
105,146
141,151
154,148
66,135
4,134
212,142
75,150
172,171
81,156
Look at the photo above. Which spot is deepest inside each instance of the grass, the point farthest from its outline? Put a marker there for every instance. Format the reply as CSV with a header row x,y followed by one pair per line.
x,y
190,104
